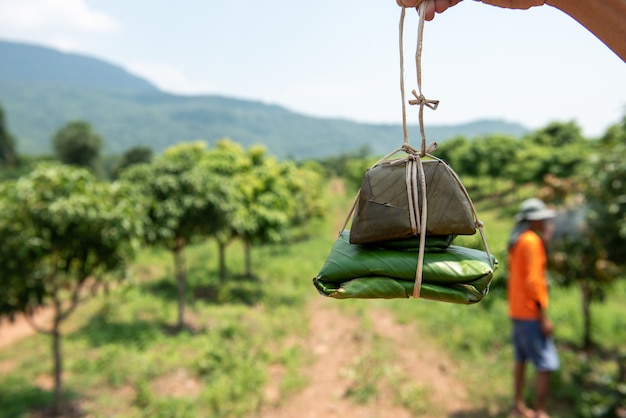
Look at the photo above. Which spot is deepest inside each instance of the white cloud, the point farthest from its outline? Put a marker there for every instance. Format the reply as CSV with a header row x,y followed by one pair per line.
x,y
53,15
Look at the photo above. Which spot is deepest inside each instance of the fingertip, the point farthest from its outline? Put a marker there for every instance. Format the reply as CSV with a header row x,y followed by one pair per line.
x,y
431,6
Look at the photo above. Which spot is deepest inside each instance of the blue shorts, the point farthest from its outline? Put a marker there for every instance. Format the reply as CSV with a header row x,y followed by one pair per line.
x,y
530,344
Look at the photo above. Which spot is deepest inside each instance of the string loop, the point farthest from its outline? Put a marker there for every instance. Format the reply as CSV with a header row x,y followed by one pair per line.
x,y
415,178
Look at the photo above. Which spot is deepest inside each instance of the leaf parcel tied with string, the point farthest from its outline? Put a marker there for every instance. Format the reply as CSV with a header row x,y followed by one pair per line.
x,y
406,216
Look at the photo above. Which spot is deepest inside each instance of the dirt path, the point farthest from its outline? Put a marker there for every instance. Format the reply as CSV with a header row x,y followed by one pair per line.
x,y
13,331
336,339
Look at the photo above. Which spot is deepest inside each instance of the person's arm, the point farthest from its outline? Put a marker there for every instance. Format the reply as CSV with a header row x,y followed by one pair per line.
x,y
606,19
547,328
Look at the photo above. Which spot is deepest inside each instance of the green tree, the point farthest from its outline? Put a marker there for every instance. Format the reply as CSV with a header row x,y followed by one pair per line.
x,y
337,165
578,258
228,160
354,171
8,155
306,183
268,197
450,150
263,203
469,158
134,155
605,188
61,229
499,154
529,165
556,135
591,253
186,203
558,149
76,143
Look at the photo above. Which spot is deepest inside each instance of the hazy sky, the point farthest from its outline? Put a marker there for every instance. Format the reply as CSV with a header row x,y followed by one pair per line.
x,y
340,58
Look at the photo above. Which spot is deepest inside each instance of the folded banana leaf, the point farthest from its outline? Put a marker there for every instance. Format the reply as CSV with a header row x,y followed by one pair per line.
x,y
387,288
454,274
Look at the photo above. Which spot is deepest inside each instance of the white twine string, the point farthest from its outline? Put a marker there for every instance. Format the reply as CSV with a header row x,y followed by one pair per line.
x,y
414,165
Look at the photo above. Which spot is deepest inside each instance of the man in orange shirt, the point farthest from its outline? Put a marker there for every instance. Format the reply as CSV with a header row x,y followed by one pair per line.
x,y
528,303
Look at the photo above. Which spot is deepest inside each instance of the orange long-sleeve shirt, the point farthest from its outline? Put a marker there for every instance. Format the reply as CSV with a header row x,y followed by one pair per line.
x,y
527,285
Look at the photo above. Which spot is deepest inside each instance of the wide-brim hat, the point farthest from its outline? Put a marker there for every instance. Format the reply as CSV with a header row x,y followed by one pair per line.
x,y
534,210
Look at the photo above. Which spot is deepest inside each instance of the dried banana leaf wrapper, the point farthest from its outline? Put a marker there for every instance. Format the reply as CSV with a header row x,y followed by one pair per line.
x,y
382,212
453,274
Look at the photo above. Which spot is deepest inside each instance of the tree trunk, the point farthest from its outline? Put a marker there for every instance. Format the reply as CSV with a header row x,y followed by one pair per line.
x,y
180,270
57,356
248,256
58,370
586,308
222,259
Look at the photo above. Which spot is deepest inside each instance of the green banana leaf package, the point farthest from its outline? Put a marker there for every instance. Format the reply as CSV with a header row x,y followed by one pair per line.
x,y
451,273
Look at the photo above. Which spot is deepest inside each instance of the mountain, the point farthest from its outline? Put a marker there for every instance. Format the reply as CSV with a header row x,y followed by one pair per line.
x,y
41,89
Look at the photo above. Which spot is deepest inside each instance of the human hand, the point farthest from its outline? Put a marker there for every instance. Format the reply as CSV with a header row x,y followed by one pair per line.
x,y
547,328
432,6
440,6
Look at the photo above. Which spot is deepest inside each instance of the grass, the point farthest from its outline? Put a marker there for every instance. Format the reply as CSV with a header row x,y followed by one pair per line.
x,y
123,359
115,345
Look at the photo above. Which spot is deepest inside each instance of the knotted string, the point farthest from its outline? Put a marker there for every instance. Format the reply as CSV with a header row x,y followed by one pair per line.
x,y
414,167
415,178
420,99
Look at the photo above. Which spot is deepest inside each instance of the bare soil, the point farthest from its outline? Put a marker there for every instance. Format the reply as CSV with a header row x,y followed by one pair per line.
x,y
335,340
13,331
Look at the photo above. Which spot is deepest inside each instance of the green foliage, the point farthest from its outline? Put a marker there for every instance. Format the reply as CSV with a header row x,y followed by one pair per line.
x,y
121,349
450,150
61,226
268,197
306,183
354,171
335,165
499,154
556,135
78,144
122,355
266,205
604,388
135,155
590,246
8,154
557,150
185,202
605,188
125,362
